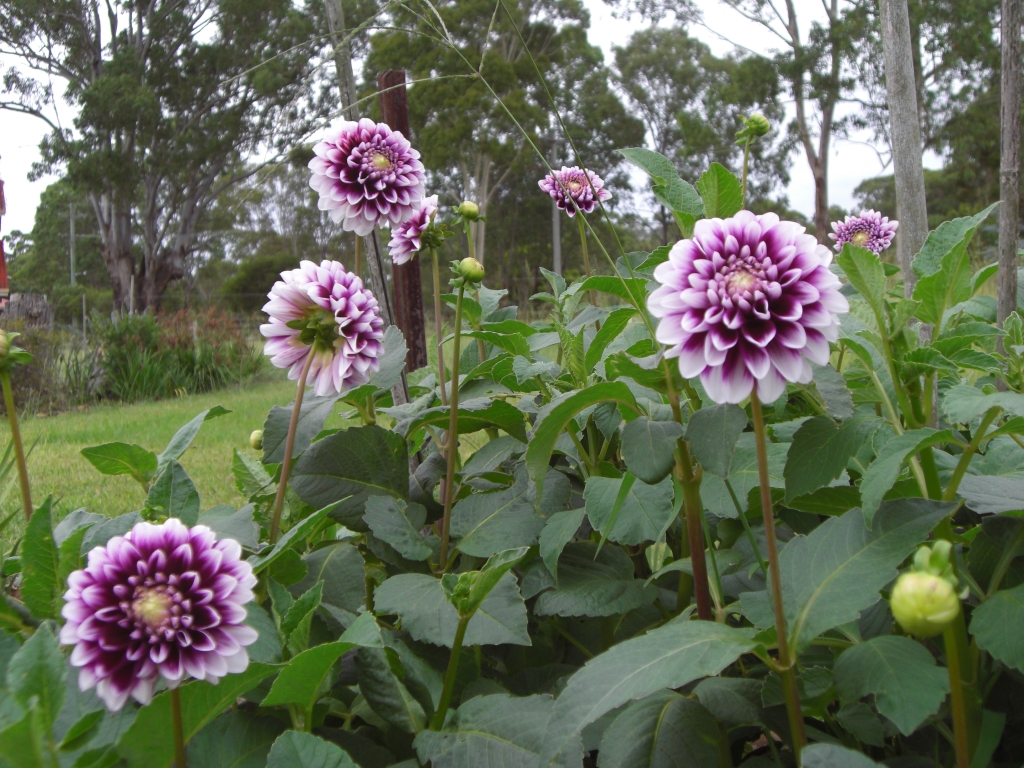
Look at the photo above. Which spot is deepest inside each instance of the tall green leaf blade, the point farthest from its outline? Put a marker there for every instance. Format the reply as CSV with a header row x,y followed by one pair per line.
x,y
998,626
672,192
899,672
40,563
834,573
668,657
665,729
720,191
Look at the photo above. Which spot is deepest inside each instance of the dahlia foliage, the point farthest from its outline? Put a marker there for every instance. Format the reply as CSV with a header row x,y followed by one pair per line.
x,y
406,238
324,311
747,301
869,230
162,601
366,174
573,185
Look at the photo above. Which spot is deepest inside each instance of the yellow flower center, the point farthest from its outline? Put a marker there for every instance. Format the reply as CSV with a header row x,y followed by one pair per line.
x,y
575,186
381,161
860,238
741,281
152,606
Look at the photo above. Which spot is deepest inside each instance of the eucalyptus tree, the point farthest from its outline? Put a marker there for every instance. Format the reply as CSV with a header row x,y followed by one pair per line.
x,y
171,99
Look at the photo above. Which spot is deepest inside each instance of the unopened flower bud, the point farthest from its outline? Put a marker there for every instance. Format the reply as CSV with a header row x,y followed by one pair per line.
x,y
924,604
469,210
5,344
758,124
471,269
256,440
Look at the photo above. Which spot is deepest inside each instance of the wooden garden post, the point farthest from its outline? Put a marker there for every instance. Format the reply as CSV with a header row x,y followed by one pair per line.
x,y
1009,158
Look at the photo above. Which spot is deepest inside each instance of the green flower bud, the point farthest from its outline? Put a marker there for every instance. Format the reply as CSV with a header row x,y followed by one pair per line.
x,y
5,344
256,440
924,604
758,124
469,210
471,269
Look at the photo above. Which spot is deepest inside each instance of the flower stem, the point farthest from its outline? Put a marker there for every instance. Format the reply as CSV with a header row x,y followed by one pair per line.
x,y
438,327
746,160
786,660
19,450
452,441
289,444
450,674
957,698
176,726
969,451
586,253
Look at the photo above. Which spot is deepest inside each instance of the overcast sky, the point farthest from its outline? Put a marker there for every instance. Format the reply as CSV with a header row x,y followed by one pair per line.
x,y
852,161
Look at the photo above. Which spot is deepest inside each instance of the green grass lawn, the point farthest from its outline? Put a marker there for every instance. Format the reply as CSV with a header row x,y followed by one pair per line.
x,y
57,467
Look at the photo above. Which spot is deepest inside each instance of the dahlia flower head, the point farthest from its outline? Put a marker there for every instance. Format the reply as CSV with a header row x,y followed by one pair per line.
x,y
163,601
747,301
870,230
406,238
572,185
366,174
324,311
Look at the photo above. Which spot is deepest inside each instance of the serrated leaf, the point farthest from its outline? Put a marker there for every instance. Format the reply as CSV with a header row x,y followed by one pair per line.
x,y
670,190
899,672
341,569
631,289
251,478
474,415
712,433
398,524
174,494
986,494
668,657
945,238
833,390
644,514
732,700
485,523
428,616
231,523
312,415
998,626
820,452
663,730
38,671
294,749
963,404
884,470
648,447
720,192
234,740
865,272
594,583
613,325
380,676
123,459
40,563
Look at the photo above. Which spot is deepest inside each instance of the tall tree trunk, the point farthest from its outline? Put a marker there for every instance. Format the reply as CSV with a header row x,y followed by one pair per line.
x,y
114,220
1009,159
905,130
822,225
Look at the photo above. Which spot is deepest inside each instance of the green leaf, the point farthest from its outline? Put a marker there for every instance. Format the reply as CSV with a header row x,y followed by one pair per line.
x,y
945,238
312,415
665,729
644,514
251,478
712,433
380,675
952,341
834,756
631,289
227,522
174,494
183,437
613,325
732,700
428,616
292,535
490,574
899,672
835,572
592,583
81,732
305,680
513,343
987,494
743,476
22,743
474,415
670,190
833,390
558,532
485,523
149,742
928,360
294,749
267,647
70,555
668,657
820,452
398,524
234,740
963,404
865,272
302,609
831,500
351,466
998,625
720,191
553,419
392,362
648,447
123,459
340,568
884,470
38,671
496,731
40,564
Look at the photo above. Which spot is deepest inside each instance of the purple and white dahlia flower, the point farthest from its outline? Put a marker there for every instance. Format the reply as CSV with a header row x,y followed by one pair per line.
x,y
161,601
870,230
324,311
747,301
405,237
366,173
574,187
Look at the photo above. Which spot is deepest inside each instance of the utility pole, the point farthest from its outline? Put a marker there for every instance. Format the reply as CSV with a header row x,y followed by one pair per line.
x,y
905,129
406,278
71,238
1009,158
556,218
